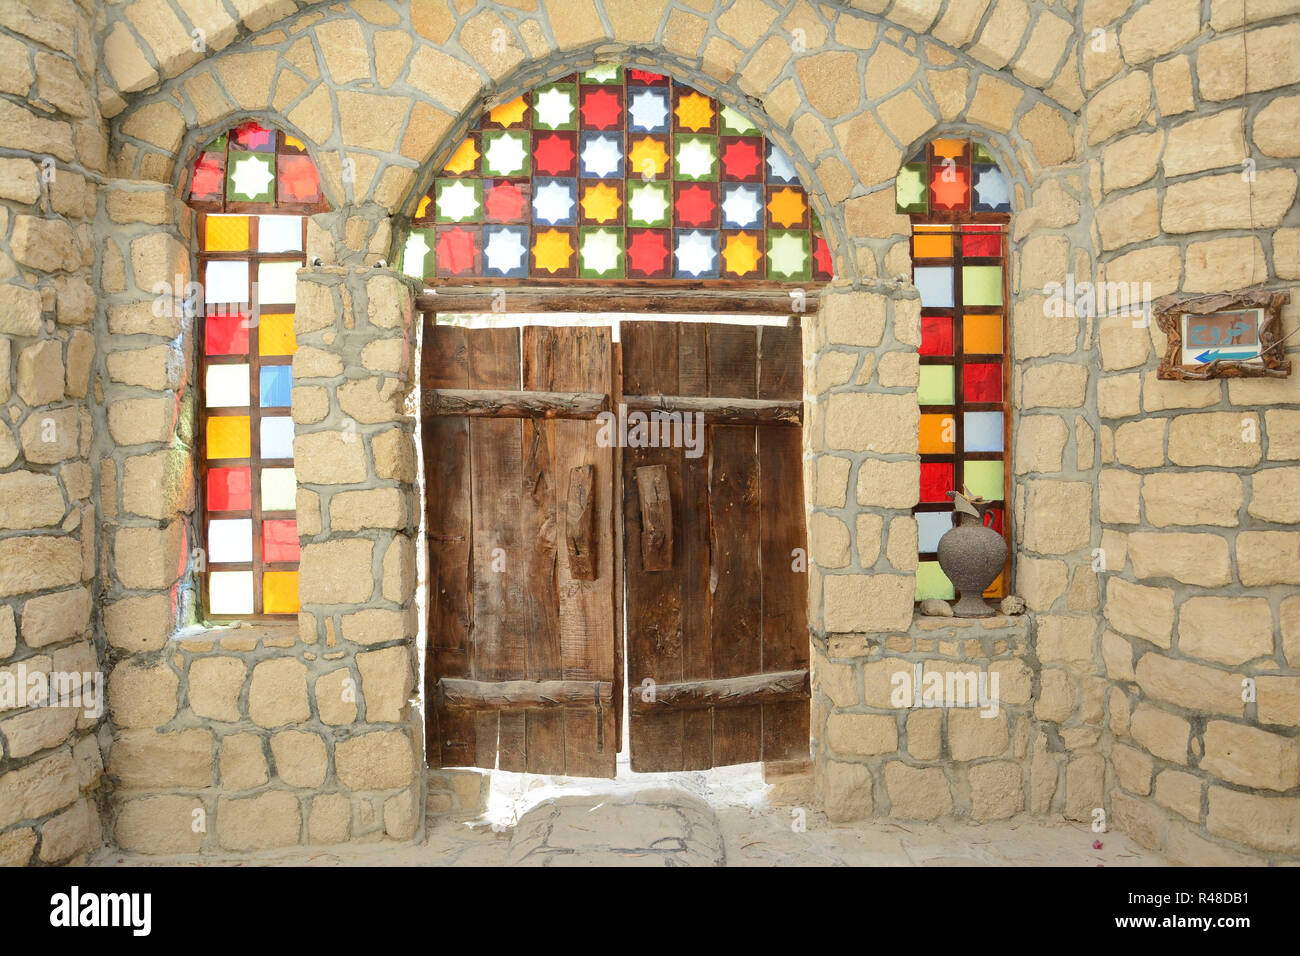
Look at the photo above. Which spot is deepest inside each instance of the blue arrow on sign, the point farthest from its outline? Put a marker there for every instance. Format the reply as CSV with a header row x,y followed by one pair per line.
x,y
1211,355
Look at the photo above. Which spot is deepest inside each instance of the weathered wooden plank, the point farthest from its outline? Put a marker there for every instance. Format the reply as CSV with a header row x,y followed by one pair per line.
x,y
457,694
616,519
543,729
784,589
728,691
656,518
717,296
734,523
654,601
506,403
721,411
588,631
580,523
499,561
449,737
697,595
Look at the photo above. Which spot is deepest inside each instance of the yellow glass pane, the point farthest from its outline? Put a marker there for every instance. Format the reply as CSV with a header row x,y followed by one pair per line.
x,y
228,436
463,160
280,592
226,234
933,243
938,434
982,333
422,210
275,334
295,142
997,588
948,148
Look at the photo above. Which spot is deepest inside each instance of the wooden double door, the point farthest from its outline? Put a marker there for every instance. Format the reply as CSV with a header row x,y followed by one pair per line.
x,y
590,500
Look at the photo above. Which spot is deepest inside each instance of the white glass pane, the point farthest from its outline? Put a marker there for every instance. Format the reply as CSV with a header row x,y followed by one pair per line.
x,y
930,527
226,386
230,540
277,282
279,489
277,437
279,233
983,431
935,285
230,592
226,282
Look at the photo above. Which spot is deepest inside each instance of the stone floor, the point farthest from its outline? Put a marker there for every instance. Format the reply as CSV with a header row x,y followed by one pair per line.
x,y
724,817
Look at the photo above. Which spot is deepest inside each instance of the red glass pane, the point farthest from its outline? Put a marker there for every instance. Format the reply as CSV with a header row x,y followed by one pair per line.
x,y
981,241
823,267
226,335
253,136
695,206
982,383
554,154
209,177
995,515
936,480
230,489
949,187
643,77
298,180
280,540
936,335
455,252
742,159
504,202
601,108
647,252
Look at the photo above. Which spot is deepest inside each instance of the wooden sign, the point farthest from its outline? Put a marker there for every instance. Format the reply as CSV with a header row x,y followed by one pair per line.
x,y
1232,335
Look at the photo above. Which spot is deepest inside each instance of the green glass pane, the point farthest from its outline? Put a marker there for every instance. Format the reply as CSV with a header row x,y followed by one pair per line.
x,y
981,285
936,386
984,479
217,145
251,178
604,73
910,191
982,155
735,123
931,582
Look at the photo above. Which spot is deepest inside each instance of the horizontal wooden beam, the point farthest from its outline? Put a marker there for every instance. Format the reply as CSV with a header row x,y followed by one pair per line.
x,y
460,694
721,411
770,688
741,299
501,403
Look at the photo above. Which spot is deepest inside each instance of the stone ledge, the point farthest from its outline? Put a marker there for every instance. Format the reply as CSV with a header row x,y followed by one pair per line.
x,y
239,636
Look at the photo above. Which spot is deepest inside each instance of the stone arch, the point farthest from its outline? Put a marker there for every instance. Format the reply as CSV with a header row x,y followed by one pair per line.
x,y
839,88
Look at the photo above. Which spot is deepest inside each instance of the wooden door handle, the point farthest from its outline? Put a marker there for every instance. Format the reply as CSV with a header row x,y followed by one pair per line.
x,y
656,517
580,523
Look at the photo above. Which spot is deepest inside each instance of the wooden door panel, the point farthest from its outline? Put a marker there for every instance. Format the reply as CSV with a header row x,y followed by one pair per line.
x,y
523,664
722,633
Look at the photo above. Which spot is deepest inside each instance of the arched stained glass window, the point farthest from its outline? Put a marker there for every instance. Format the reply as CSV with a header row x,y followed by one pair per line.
x,y
960,205
616,173
252,188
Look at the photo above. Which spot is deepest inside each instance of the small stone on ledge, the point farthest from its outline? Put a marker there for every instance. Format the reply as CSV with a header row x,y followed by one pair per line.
x,y
1011,604
933,607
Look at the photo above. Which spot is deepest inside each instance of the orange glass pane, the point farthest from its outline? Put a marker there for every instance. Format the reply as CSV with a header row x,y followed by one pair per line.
x,y
280,592
226,234
998,588
933,244
948,148
229,436
275,334
982,334
938,434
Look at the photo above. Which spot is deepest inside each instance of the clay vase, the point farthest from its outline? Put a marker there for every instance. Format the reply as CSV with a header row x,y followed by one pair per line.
x,y
971,554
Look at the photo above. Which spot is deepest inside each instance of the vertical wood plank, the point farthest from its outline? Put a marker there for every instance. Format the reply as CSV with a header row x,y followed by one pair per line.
x,y
447,466
697,597
499,562
784,591
587,631
543,729
734,527
654,599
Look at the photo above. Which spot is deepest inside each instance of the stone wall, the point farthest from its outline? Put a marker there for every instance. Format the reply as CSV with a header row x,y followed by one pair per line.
x,y
1123,129
55,149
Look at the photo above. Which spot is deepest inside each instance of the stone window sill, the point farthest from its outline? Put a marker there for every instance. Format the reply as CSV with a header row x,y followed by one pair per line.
x,y
237,637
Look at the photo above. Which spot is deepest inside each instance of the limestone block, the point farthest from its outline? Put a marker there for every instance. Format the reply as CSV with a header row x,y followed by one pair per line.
x,y
882,484
1118,106
149,558
996,790
971,735
30,500
1227,630
387,681
160,825
141,695
214,687
1207,203
846,791
1279,700
1275,495
40,377
243,762
139,623
917,794
1267,823
1268,557
1200,559
329,458
330,819
336,697
300,758
1251,757
862,734
1180,792
277,694
1058,516
381,760
1055,385
376,508
1162,733
1140,611
272,819
1192,498
1190,685
1040,444
1117,495
868,602
828,539
1055,697
146,759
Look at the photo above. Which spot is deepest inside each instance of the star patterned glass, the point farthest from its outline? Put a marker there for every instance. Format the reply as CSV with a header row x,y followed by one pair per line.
x,y
615,173
959,204
253,188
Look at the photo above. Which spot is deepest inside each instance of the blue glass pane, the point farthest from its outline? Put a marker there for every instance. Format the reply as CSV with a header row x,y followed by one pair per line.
x,y
276,386
935,285
930,527
983,431
991,193
277,437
